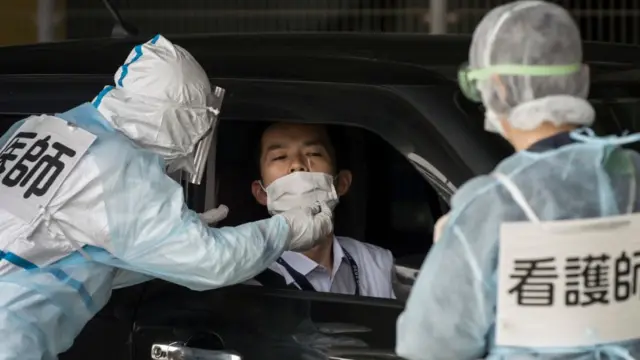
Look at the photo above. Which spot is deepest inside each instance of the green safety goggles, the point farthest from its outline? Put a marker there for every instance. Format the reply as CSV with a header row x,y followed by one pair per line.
x,y
468,78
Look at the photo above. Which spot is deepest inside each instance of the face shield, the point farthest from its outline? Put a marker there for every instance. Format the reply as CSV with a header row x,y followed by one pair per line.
x,y
195,171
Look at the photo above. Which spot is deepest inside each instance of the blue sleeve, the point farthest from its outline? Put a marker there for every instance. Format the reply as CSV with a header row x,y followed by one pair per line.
x,y
152,231
450,310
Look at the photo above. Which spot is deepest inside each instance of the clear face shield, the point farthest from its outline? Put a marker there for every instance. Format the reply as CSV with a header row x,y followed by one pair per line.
x,y
203,147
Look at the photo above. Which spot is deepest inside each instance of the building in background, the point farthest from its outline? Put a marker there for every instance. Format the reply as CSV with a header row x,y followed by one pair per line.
x,y
31,21
48,20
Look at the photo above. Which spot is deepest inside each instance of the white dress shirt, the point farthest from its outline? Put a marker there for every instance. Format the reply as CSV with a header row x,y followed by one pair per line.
x,y
374,268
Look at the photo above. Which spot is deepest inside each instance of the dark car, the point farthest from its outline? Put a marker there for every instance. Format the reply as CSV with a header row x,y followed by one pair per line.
x,y
399,123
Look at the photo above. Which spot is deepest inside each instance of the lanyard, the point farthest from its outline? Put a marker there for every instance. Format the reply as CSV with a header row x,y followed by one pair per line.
x,y
304,283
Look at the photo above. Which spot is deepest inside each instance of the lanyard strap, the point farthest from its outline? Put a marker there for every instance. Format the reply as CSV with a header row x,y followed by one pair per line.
x,y
304,283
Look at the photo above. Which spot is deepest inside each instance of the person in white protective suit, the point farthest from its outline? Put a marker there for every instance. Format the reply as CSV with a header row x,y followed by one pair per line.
x,y
85,193
539,259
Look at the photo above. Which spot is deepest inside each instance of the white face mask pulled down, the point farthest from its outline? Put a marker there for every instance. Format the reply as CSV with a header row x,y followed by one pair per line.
x,y
300,189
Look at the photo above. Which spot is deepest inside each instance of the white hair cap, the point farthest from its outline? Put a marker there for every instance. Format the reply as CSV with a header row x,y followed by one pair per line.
x,y
536,33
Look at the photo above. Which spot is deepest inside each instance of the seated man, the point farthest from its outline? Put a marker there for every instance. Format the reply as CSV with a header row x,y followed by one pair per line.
x,y
297,165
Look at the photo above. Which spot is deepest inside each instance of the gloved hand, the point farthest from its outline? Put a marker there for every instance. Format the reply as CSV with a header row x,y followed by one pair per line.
x,y
308,225
215,215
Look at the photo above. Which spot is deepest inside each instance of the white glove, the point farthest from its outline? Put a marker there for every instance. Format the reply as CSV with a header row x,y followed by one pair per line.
x,y
308,225
215,215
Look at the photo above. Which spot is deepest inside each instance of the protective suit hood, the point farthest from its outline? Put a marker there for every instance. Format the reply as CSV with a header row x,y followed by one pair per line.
x,y
163,101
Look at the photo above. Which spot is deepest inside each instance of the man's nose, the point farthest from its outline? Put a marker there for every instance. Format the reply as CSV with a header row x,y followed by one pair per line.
x,y
300,164
297,168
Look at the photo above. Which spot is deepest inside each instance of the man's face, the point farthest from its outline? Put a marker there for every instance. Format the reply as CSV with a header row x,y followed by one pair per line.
x,y
287,148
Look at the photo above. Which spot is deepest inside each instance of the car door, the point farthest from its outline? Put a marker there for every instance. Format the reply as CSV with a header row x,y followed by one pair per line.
x,y
261,323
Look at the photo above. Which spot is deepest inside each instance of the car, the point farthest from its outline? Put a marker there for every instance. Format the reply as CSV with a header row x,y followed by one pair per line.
x,y
401,124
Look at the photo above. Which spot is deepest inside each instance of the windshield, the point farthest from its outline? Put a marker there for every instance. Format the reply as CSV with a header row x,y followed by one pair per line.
x,y
32,21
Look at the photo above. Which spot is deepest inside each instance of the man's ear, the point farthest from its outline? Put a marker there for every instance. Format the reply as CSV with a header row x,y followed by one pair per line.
x,y
343,182
258,193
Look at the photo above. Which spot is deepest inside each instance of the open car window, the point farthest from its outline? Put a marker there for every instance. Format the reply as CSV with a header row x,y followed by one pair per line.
x,y
390,204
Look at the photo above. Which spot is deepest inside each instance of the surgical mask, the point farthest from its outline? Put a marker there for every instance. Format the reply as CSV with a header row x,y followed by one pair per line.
x,y
300,189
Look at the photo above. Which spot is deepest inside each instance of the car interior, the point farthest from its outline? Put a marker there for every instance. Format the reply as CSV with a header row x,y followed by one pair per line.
x,y
390,204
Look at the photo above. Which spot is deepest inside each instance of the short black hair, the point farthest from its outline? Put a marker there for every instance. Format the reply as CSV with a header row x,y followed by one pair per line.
x,y
327,142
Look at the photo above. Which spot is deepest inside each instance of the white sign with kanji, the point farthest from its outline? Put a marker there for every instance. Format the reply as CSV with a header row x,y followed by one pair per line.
x,y
569,283
36,160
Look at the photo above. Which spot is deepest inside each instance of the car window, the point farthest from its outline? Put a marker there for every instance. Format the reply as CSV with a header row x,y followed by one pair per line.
x,y
390,204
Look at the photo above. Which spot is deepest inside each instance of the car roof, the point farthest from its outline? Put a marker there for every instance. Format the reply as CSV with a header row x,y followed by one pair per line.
x,y
331,57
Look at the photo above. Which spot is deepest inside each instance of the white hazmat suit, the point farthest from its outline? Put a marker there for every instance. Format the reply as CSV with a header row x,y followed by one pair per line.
x,y
85,192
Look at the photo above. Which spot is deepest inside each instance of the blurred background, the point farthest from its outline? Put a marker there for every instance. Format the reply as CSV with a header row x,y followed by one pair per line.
x,y
31,21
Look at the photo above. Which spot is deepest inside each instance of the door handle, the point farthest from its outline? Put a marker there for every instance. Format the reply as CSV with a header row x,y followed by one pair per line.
x,y
178,352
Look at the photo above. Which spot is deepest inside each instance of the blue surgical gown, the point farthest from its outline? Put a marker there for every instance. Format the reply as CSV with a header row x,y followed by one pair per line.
x,y
450,313
151,233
